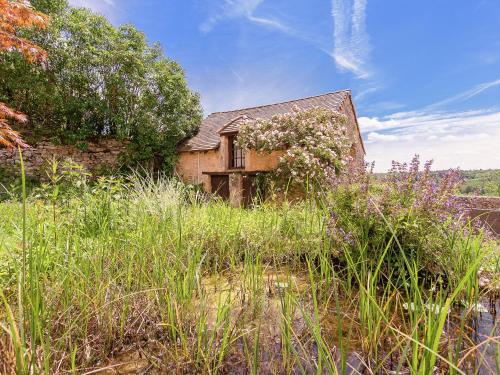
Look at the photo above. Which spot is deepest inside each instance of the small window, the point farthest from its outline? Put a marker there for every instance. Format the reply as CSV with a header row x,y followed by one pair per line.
x,y
236,154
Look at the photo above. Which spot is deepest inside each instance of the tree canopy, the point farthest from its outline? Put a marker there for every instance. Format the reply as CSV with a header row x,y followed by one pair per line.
x,y
15,15
101,80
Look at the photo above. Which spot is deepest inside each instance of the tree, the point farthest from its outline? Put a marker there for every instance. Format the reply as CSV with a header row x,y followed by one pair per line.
x,y
15,15
102,81
50,7
314,143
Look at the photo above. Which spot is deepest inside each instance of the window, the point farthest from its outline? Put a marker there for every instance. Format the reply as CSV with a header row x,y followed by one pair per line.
x,y
236,154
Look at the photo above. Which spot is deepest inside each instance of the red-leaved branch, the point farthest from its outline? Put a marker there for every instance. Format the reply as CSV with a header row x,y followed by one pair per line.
x,y
13,16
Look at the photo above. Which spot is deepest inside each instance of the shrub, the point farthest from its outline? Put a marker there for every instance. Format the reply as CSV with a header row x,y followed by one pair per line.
x,y
409,212
314,142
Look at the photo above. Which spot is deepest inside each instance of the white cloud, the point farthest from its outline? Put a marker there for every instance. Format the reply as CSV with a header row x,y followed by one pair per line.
x,y
374,137
476,90
367,89
233,9
373,123
351,41
419,121
467,139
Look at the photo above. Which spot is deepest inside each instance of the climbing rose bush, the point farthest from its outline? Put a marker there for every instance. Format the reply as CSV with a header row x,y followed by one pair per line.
x,y
315,144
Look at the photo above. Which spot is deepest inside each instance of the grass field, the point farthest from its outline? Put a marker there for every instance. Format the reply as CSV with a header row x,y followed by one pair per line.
x,y
149,277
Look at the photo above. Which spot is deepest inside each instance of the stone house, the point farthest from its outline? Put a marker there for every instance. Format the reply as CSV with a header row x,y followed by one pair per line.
x,y
213,159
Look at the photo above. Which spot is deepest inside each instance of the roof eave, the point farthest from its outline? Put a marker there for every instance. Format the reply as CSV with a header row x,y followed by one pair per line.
x,y
198,149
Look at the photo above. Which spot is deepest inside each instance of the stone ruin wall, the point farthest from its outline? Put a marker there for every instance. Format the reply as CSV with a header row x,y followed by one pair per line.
x,y
95,157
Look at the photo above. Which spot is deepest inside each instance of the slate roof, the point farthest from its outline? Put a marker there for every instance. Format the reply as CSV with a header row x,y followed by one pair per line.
x,y
208,137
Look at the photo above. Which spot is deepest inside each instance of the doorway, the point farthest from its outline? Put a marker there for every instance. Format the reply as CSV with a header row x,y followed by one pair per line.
x,y
220,186
252,191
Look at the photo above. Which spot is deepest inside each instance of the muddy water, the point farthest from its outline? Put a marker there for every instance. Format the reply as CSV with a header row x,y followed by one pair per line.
x,y
258,304
483,327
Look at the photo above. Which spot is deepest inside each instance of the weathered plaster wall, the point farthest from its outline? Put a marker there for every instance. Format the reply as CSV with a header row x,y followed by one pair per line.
x,y
94,158
191,165
259,161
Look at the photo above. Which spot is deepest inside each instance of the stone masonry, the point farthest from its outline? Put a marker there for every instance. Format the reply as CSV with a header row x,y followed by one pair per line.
x,y
95,157
480,202
207,154
485,209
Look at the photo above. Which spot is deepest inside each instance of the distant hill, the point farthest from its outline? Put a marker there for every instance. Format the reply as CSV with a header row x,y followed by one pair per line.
x,y
475,182
481,182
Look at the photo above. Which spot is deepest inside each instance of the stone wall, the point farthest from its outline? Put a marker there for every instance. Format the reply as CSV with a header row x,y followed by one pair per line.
x,y
95,157
485,209
236,189
357,152
480,202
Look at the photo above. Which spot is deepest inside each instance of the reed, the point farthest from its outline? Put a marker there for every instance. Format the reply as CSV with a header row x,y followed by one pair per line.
x,y
93,270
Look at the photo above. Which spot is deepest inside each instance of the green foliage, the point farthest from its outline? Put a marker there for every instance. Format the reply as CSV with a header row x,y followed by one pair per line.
x,y
101,80
473,182
142,264
314,142
10,184
412,214
481,182
50,7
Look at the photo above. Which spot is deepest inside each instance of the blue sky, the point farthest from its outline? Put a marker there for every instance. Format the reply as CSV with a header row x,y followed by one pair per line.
x,y
425,74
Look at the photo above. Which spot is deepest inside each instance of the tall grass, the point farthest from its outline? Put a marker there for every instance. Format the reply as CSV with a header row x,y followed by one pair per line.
x,y
150,265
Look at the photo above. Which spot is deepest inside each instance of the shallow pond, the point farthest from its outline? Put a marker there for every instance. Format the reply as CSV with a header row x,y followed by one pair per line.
x,y
280,329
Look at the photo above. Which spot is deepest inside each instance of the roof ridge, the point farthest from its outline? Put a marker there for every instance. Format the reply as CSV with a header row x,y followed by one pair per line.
x,y
284,102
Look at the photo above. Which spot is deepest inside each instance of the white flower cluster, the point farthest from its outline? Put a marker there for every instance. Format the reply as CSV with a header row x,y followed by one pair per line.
x,y
315,141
